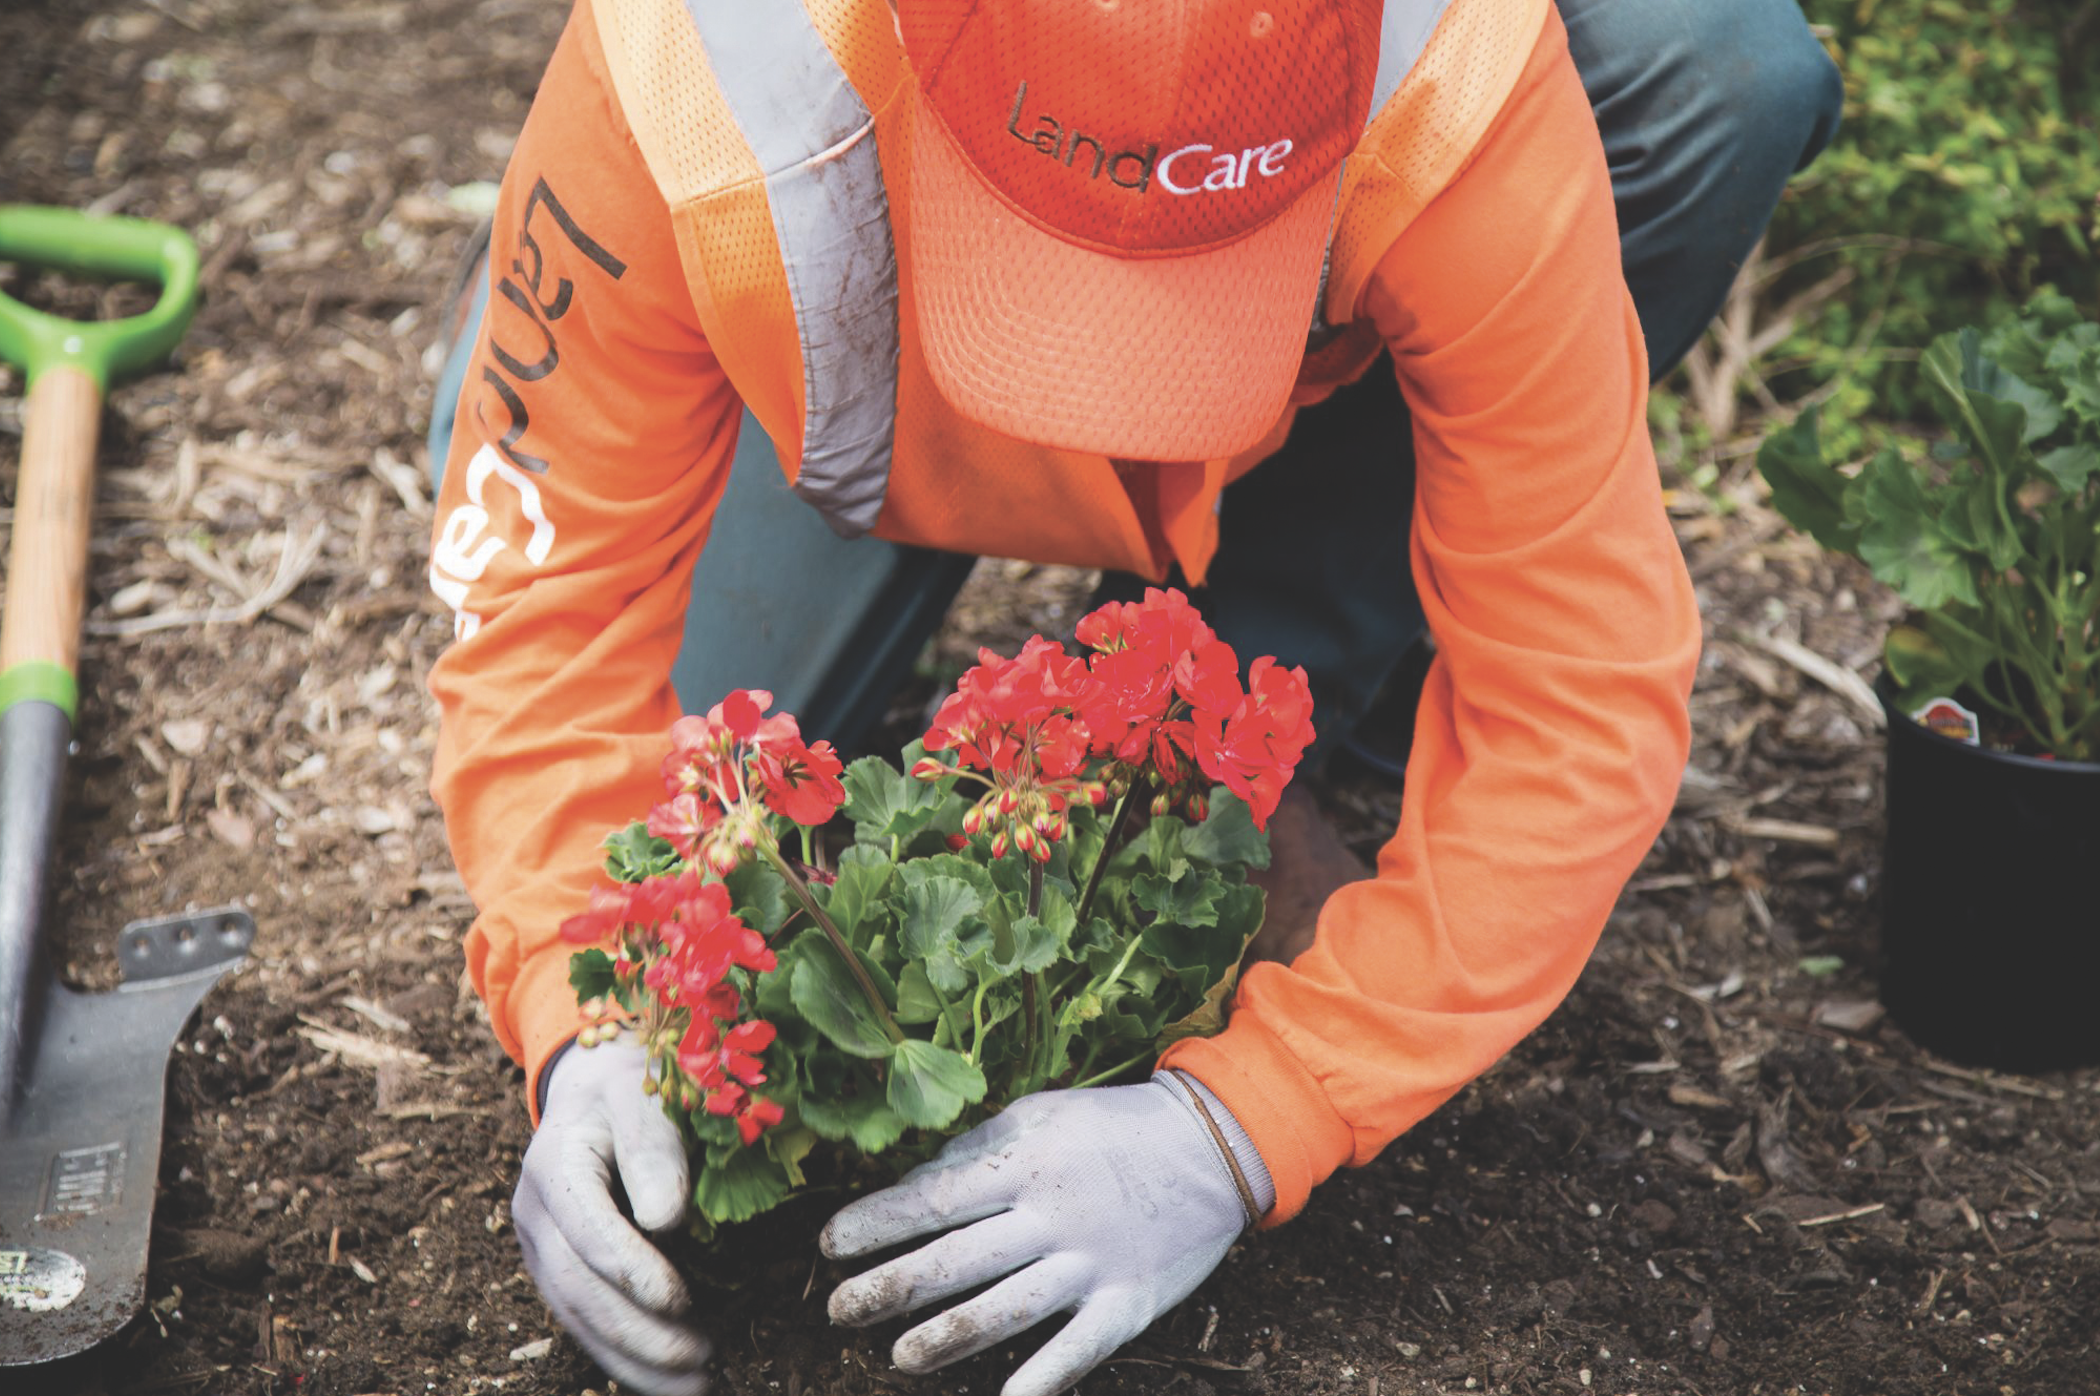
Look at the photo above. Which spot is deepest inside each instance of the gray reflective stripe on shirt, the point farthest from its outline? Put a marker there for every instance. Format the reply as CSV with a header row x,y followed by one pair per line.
x,y
1403,32
815,140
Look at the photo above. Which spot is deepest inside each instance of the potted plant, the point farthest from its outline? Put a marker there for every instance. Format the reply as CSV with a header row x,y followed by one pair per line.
x,y
1051,891
1990,910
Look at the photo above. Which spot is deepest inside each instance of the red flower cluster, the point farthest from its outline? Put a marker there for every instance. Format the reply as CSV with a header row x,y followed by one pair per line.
x,y
1016,720
719,762
1253,746
678,939
1168,693
1160,696
722,1064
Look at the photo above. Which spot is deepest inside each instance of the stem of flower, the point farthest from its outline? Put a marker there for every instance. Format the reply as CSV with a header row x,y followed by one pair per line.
x,y
1108,846
1117,1070
831,932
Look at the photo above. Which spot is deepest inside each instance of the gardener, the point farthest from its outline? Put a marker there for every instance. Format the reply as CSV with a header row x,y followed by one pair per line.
x,y
1085,264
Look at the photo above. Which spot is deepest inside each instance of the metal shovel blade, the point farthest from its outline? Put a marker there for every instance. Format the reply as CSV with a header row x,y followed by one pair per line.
x,y
80,1144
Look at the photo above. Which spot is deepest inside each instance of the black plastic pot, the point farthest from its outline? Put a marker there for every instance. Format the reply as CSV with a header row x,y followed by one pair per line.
x,y
1991,901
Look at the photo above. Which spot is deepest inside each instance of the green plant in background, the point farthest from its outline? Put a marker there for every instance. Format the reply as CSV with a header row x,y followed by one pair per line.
x,y
1962,181
1993,537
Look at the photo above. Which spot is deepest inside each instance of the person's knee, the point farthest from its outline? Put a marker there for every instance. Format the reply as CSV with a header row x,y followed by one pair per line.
x,y
1769,73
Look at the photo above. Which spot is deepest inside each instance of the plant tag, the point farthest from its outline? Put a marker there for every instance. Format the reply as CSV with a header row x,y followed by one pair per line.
x,y
1949,719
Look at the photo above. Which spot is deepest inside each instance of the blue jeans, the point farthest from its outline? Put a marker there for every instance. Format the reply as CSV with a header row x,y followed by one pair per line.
x,y
1705,107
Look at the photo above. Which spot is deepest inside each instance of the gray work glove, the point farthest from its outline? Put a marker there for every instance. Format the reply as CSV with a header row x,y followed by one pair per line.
x,y
609,1287
1113,1202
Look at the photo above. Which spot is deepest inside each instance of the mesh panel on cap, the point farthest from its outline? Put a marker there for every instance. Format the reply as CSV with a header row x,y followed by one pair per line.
x,y
1422,138
1141,126
1188,358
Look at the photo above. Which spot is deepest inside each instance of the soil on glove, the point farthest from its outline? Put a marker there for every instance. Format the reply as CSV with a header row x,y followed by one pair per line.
x,y
1717,1169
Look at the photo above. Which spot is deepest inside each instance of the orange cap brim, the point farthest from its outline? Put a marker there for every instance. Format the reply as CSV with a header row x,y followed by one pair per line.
x,y
1160,358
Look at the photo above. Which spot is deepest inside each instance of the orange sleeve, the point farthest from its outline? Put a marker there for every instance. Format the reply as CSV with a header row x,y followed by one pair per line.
x,y
594,439
1554,728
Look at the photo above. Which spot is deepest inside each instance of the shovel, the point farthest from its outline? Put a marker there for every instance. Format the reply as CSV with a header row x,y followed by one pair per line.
x,y
82,1076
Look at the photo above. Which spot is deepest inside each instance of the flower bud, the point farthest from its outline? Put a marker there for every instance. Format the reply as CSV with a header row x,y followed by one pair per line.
x,y
649,1086
1119,787
1041,852
1024,838
1161,804
999,844
722,858
973,819
928,768
1007,800
587,1038
1198,808
958,842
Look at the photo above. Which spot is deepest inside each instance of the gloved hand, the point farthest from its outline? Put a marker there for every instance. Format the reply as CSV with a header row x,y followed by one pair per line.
x,y
609,1287
1117,1200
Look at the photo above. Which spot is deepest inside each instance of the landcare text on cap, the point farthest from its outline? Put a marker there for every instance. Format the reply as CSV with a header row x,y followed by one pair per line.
x,y
1228,170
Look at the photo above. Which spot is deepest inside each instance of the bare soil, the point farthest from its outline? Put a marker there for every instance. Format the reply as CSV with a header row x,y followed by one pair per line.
x,y
1716,1170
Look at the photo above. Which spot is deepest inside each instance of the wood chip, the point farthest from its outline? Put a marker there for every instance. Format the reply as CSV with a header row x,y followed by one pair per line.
x,y
187,735
1832,675
372,1013
363,1271
432,1110
1848,1015
361,1051
233,830
1683,1094
1843,1216
1783,831
2018,1085
397,1148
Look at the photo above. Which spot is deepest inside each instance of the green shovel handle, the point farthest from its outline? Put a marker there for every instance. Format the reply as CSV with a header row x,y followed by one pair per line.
x,y
129,248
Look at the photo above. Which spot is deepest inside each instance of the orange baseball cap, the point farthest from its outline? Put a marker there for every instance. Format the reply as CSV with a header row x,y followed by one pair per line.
x,y
1119,209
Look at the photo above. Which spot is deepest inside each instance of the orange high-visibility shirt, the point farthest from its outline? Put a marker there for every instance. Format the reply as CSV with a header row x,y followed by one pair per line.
x,y
1551,736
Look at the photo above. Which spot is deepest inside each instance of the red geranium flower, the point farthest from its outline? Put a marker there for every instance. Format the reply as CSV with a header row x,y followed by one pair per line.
x,y
1254,748
800,782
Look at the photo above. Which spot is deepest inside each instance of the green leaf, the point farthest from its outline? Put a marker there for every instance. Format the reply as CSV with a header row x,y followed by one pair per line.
x,y
1820,966
1186,899
787,1145
1805,487
854,1111
940,924
855,901
1160,849
1131,1016
929,1086
591,974
1903,543
738,1184
633,854
2071,466
916,1001
1918,661
1036,947
827,995
884,803
759,895
1993,425
1228,836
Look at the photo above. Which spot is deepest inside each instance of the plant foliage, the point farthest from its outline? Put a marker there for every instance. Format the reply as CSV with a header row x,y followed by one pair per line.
x,y
1084,904
1993,537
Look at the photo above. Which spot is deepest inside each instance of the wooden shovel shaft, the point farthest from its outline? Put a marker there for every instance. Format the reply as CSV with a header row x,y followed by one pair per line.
x,y
54,497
